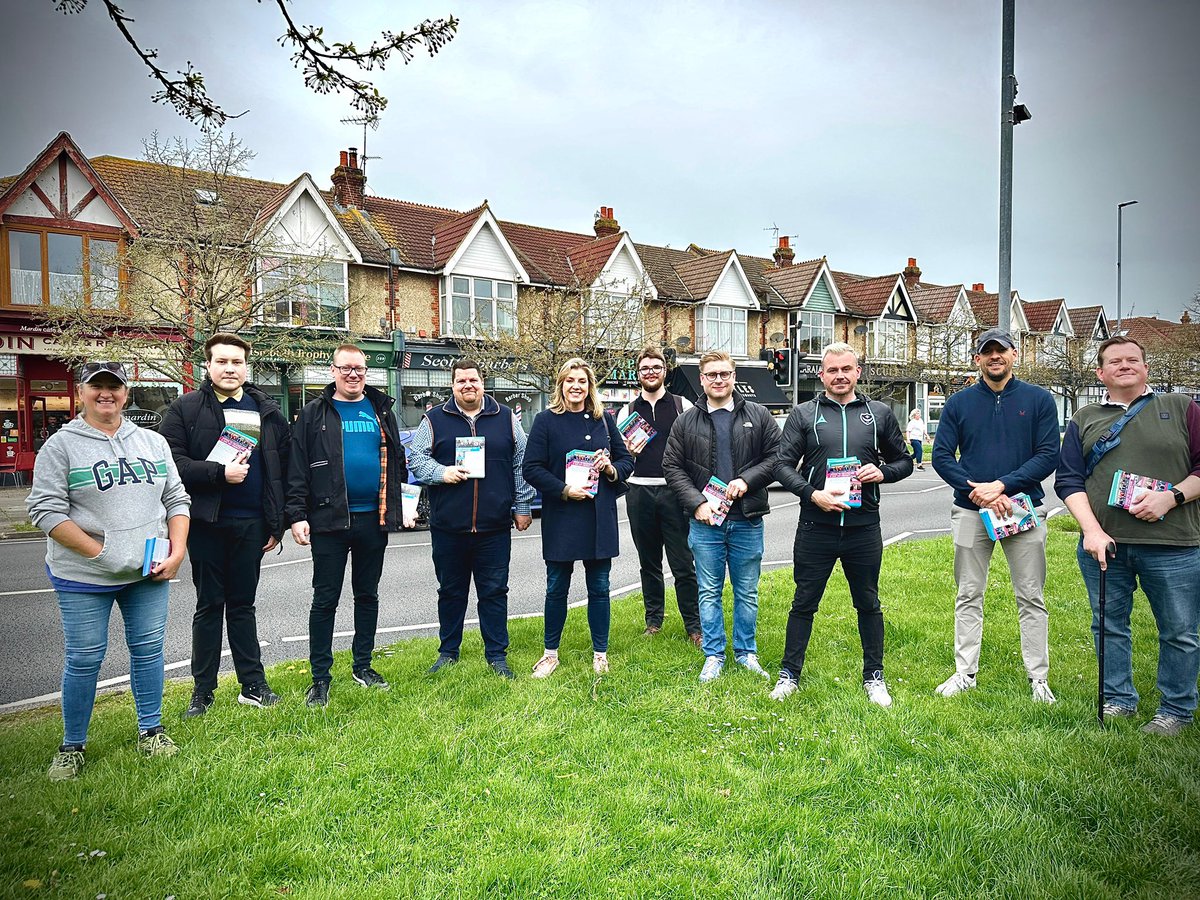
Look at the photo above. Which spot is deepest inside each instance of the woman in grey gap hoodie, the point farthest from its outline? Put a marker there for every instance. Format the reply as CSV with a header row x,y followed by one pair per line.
x,y
102,487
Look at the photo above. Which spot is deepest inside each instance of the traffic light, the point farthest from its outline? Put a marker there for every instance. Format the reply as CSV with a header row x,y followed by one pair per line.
x,y
781,366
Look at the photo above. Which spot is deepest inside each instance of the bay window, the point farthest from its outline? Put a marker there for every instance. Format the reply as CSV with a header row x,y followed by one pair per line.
x,y
480,307
888,339
297,293
57,269
721,328
814,333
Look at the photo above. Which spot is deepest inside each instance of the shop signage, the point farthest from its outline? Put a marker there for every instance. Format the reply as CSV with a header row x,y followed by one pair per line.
x,y
808,369
517,401
41,345
143,418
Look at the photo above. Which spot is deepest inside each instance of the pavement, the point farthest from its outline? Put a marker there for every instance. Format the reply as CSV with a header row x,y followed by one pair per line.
x,y
14,523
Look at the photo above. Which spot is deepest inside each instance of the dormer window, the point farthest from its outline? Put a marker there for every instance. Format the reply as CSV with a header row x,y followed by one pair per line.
x,y
206,197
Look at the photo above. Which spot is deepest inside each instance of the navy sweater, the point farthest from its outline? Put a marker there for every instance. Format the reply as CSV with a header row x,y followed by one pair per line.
x,y
1011,436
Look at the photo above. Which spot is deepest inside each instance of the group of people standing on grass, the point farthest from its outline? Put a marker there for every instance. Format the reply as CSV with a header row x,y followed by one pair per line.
x,y
103,488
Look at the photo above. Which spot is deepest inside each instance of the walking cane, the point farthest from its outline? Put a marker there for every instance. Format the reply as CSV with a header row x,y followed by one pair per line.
x,y
1110,550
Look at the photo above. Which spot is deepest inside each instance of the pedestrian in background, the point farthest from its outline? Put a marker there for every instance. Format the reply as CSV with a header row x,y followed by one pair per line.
x,y
237,512
576,526
917,435
103,487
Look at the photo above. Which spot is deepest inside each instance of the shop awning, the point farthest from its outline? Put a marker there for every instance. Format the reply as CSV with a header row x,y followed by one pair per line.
x,y
753,383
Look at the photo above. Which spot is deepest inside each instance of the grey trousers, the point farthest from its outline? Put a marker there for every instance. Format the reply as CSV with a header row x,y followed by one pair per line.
x,y
1026,554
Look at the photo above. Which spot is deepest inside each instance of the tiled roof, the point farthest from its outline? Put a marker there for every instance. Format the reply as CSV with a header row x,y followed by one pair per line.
x,y
588,260
1083,320
934,302
1042,314
1151,330
793,282
865,295
660,262
408,227
700,274
545,252
449,233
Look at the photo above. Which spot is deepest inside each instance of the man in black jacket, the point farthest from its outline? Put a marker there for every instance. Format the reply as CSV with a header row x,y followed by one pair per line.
x,y
839,431
344,486
733,441
237,509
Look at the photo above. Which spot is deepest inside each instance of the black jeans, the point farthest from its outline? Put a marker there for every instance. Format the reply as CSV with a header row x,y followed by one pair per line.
x,y
657,522
456,558
817,548
364,543
226,557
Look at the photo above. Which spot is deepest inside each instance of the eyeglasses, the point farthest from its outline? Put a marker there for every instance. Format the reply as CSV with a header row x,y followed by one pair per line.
x,y
650,370
360,371
717,376
88,370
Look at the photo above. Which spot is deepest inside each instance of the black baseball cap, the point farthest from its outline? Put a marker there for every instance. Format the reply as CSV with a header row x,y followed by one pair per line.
x,y
90,370
994,336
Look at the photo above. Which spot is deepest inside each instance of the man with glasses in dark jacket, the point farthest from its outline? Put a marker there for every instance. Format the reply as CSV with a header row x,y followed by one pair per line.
x,y
230,443
344,487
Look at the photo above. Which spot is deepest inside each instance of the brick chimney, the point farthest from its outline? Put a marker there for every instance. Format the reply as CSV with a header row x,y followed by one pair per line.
x,y
784,254
912,272
349,182
978,286
606,222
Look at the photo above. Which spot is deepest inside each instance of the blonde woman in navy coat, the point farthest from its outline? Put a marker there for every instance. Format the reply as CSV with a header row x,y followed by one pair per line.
x,y
576,526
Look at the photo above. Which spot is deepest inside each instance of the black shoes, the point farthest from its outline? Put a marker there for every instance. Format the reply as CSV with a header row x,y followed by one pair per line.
x,y
368,677
201,701
317,695
443,660
259,695
500,667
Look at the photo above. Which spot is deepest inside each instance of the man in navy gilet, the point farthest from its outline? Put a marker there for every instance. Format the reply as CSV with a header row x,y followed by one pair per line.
x,y
656,520
472,508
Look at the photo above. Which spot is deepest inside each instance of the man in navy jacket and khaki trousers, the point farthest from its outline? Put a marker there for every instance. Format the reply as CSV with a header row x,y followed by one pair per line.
x,y
1006,434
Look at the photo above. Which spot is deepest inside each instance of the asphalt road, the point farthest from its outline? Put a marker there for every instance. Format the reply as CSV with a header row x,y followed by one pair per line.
x,y
31,652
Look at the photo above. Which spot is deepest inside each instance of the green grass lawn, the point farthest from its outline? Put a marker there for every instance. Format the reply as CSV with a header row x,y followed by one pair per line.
x,y
640,784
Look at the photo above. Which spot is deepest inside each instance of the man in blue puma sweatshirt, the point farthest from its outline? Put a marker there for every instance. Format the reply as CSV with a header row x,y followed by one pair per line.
x,y
1005,432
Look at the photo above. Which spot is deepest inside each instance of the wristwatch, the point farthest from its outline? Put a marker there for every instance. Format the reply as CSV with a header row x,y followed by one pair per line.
x,y
1179,498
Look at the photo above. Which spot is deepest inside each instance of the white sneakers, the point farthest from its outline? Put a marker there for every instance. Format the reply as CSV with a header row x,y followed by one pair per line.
x,y
750,663
877,692
1042,693
600,663
784,687
955,684
545,666
712,668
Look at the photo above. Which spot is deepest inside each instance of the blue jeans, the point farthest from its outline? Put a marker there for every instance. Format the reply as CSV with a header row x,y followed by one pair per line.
x,y
558,583
917,450
1170,579
457,556
85,616
738,544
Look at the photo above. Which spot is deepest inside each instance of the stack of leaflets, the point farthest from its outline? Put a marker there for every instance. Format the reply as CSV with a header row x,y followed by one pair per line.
x,y
841,481
232,443
582,470
1127,488
1022,518
716,492
410,496
468,454
636,431
157,550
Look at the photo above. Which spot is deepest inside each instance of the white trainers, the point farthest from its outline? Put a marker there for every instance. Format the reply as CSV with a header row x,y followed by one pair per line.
x,y
712,668
600,663
877,692
750,662
545,666
1042,693
785,686
955,684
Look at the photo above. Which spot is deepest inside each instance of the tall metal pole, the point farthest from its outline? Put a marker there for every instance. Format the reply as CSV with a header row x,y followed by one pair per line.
x,y
1120,209
1007,97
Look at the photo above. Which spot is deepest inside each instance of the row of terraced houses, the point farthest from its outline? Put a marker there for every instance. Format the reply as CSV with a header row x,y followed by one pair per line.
x,y
413,279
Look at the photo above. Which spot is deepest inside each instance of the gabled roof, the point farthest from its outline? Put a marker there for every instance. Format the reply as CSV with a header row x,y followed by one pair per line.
x,y
660,263
986,309
448,234
588,260
1152,331
63,144
700,275
1042,315
1084,320
274,209
794,283
935,302
865,295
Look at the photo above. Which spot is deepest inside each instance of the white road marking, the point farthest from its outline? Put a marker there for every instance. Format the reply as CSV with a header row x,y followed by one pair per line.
x,y
48,591
1054,512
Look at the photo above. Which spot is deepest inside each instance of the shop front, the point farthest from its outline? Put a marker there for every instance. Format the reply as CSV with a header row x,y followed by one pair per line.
x,y
754,383
425,380
292,386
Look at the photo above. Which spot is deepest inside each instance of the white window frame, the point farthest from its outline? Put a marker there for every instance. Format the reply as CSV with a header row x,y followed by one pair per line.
x,y
885,335
722,328
471,289
824,329
312,294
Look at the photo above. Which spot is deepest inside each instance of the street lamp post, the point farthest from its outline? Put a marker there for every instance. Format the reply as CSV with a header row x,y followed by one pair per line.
x,y
1120,209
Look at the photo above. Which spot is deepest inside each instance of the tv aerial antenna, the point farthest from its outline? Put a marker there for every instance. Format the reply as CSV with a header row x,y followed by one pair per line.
x,y
366,122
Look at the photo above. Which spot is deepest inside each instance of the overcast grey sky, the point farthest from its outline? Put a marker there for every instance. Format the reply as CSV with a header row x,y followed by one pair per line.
x,y
866,130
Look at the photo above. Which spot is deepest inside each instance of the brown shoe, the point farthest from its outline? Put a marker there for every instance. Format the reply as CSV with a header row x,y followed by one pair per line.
x,y
652,629
696,638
